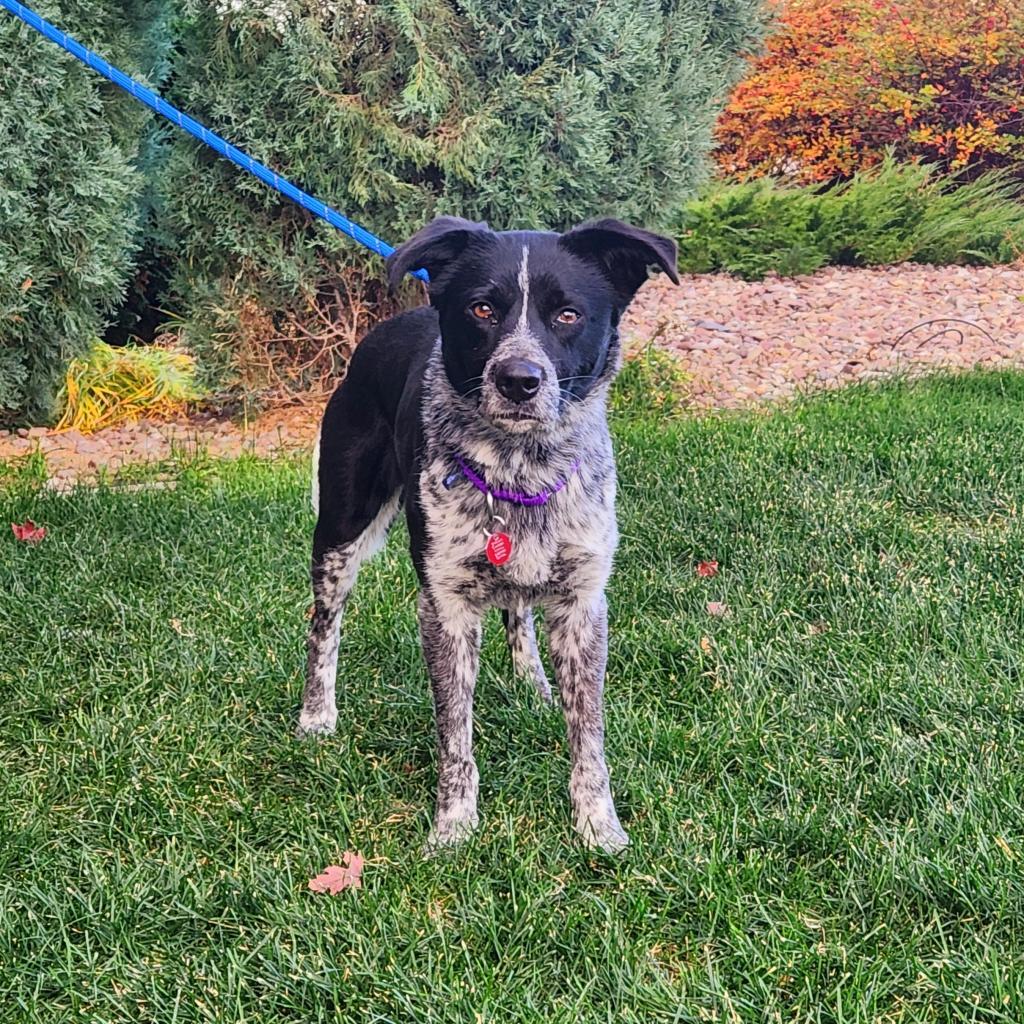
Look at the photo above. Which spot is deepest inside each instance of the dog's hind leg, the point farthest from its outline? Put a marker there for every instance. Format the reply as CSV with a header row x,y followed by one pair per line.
x,y
335,566
522,642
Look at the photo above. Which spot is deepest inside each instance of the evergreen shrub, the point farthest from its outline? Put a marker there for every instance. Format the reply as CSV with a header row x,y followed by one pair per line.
x,y
524,113
70,189
891,213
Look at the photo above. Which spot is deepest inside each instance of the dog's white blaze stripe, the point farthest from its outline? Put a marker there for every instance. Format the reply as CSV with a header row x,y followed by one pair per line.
x,y
314,492
524,287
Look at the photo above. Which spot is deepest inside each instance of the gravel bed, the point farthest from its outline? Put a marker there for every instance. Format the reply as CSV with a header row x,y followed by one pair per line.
x,y
746,341
741,342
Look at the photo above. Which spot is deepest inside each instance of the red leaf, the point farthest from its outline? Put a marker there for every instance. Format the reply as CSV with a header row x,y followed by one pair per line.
x,y
28,532
709,568
717,608
336,877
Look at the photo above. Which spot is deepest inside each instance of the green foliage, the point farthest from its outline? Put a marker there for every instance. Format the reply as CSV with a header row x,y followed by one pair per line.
x,y
751,229
526,113
887,214
651,384
68,191
911,212
24,475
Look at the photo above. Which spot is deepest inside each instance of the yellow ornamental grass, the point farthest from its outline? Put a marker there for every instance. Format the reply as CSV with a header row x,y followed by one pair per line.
x,y
117,385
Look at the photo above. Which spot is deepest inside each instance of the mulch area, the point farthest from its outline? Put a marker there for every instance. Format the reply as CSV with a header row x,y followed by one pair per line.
x,y
72,456
741,342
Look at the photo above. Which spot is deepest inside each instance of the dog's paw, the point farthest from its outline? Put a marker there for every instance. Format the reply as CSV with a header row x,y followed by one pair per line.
x,y
605,834
321,723
447,835
540,681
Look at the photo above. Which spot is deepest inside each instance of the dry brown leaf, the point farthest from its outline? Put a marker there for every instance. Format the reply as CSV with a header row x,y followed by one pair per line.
x,y
336,877
28,532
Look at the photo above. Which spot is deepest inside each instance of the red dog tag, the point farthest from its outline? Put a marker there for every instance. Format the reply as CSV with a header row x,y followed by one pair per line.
x,y
499,548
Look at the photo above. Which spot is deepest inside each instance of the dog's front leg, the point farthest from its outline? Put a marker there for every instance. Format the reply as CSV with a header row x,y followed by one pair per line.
x,y
578,629
450,634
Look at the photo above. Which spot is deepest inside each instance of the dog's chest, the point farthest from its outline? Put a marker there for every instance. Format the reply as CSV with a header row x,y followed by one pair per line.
x,y
564,545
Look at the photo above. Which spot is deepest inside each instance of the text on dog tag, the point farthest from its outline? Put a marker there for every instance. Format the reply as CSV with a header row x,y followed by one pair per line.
x,y
499,548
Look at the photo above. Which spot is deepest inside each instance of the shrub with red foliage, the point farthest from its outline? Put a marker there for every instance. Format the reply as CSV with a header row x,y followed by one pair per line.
x,y
842,81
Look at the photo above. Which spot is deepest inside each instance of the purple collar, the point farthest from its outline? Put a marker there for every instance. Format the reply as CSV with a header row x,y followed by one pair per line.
x,y
513,497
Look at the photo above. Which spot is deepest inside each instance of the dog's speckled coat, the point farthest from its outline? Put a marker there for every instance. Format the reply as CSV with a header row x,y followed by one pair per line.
x,y
426,386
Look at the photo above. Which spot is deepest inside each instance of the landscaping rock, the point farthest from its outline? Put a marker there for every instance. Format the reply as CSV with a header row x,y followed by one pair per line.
x,y
741,341
829,328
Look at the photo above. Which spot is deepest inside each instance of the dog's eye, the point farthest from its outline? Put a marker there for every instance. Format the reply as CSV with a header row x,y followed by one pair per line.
x,y
567,316
482,311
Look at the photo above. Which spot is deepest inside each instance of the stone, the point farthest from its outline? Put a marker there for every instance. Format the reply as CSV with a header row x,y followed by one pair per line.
x,y
831,327
742,342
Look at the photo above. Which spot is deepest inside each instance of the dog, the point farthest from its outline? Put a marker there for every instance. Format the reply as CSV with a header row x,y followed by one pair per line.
x,y
484,414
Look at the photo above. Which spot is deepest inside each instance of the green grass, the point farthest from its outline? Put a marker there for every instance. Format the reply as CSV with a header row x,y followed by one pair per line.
x,y
825,789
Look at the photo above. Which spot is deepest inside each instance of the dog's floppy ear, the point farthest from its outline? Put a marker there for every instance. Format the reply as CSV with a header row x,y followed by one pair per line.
x,y
432,247
623,253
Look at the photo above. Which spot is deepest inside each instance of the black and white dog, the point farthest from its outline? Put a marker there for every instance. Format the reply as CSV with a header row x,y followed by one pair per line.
x,y
485,414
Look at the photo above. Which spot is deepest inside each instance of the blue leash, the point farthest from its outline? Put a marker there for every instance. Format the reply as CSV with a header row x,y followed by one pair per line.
x,y
214,141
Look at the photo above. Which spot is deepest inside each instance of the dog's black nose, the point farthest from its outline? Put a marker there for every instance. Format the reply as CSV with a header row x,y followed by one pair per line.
x,y
518,379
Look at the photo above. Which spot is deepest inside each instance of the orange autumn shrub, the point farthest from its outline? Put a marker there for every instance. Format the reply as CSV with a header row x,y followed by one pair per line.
x,y
843,81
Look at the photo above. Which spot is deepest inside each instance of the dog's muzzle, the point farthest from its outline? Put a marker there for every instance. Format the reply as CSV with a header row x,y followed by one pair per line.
x,y
520,386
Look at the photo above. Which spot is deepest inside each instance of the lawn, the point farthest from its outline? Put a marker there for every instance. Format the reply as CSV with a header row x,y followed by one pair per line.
x,y
824,787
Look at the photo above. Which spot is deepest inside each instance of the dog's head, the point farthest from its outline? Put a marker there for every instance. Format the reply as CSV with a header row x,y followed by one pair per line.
x,y
528,318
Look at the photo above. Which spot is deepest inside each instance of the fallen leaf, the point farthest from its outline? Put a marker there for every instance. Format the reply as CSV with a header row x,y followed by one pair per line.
x,y
705,644
717,608
707,568
28,532
26,284
335,877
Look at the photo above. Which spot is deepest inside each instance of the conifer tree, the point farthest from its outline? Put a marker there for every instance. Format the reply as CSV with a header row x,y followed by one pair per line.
x,y
69,189
525,113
